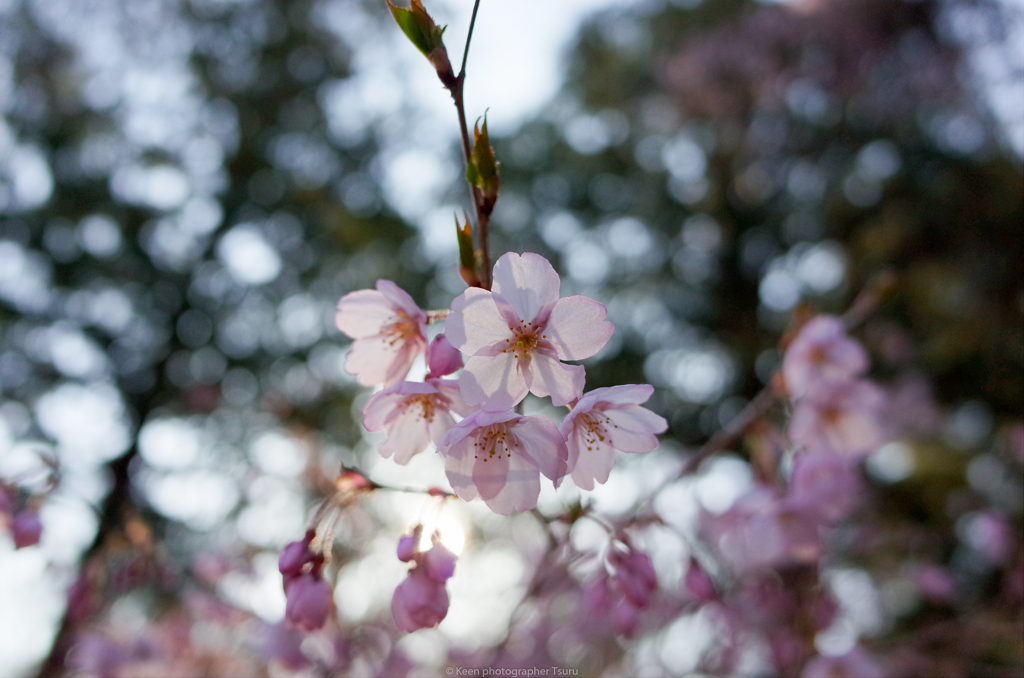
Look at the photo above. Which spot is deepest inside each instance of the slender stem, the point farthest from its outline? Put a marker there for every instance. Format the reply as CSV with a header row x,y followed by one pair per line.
x,y
469,38
482,220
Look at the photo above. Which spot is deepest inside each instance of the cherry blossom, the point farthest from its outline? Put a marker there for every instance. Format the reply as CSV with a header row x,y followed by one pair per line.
x,y
499,456
308,600
389,331
821,352
308,596
842,418
619,597
421,600
518,333
605,420
415,414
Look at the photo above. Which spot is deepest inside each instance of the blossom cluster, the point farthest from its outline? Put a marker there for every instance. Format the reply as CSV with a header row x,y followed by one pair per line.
x,y
511,340
421,601
781,525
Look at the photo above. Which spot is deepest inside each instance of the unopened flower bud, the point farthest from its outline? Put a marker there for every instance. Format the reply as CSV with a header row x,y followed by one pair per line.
x,y
309,601
408,545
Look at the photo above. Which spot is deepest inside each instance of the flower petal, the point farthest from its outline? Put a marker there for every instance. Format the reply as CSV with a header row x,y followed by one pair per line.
x,y
495,383
509,484
362,313
539,438
399,299
592,460
528,282
634,428
459,462
409,434
577,327
475,322
546,376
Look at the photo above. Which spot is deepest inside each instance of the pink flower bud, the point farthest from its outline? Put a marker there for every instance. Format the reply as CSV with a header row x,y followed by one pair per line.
x,y
419,602
408,546
440,563
26,529
309,601
295,555
442,357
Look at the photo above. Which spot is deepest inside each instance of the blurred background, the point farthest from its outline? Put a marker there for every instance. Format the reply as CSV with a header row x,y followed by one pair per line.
x,y
188,187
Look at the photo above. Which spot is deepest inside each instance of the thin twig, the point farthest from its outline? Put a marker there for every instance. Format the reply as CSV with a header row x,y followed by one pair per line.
x,y
469,38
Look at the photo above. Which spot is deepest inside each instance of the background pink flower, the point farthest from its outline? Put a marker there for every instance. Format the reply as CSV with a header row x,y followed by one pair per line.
x,y
821,352
605,420
499,457
518,333
389,331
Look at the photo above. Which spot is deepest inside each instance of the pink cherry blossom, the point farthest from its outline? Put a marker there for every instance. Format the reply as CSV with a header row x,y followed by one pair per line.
x,y
518,333
408,545
296,555
843,418
618,598
821,352
763,529
499,456
414,414
419,602
308,600
605,420
389,331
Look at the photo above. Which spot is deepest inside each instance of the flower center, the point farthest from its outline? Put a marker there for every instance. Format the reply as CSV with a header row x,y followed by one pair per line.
x,y
401,330
524,338
595,426
425,403
494,440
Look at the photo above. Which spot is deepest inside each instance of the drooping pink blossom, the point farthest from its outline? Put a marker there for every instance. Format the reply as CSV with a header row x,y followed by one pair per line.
x,y
296,555
389,331
821,352
421,600
605,420
517,334
499,456
26,529
309,600
842,418
618,598
308,596
414,414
